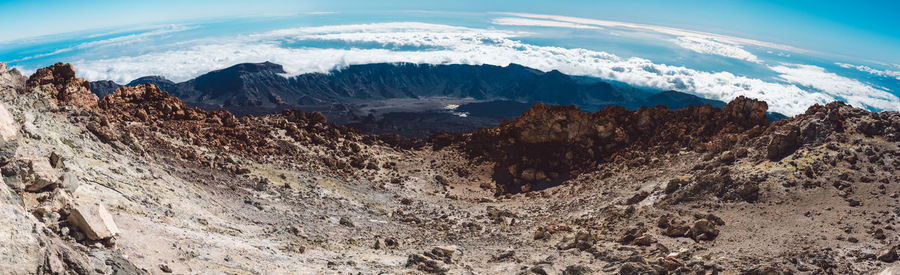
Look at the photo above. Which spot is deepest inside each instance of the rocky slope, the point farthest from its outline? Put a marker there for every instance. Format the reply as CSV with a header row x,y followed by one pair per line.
x,y
138,182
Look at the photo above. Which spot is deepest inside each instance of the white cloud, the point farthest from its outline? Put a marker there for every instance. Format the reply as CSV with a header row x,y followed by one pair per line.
x,y
134,38
659,29
706,46
854,92
55,52
115,41
512,21
705,43
442,44
870,70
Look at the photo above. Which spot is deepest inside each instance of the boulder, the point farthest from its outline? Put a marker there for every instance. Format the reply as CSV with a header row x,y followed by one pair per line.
x,y
583,241
8,135
443,253
69,182
887,254
644,240
676,229
783,144
427,264
704,229
346,222
40,174
93,220
8,129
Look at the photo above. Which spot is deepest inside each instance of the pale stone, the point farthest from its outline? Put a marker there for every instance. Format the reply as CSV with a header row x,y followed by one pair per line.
x,y
93,220
891,270
42,174
21,252
69,182
8,128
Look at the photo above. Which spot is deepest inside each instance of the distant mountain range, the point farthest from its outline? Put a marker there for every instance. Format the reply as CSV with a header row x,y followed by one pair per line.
x,y
492,92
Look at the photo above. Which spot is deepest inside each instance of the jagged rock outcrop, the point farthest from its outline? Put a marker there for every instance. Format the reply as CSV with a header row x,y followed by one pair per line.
x,y
63,86
549,144
249,136
10,79
148,103
8,135
824,123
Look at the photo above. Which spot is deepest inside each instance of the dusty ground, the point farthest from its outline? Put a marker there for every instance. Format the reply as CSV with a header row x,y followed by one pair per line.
x,y
223,210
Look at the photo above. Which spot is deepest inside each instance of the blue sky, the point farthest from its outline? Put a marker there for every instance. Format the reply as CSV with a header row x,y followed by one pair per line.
x,y
867,30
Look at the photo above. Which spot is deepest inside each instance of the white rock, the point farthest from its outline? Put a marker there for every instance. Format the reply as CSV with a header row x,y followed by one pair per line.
x,y
21,251
93,220
891,270
8,128
42,174
69,182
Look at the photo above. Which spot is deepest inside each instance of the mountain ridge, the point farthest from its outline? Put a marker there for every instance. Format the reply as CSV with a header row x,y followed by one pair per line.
x,y
388,97
262,85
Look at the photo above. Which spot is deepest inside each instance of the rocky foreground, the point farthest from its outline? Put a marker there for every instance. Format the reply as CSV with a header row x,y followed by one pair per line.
x,y
137,183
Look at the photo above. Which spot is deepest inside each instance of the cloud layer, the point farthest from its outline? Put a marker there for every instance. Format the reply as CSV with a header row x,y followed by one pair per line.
x,y
852,91
117,41
706,46
798,86
514,21
701,42
870,70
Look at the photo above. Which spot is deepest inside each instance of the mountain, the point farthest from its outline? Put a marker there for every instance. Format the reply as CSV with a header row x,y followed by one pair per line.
x,y
138,182
678,100
262,87
376,97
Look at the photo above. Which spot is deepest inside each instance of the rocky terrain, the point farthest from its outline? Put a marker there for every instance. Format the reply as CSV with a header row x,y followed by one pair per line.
x,y
137,182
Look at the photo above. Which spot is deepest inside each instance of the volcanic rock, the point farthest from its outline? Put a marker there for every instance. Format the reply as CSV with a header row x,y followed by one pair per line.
x,y
63,86
704,229
583,241
39,174
20,252
430,262
783,144
887,254
8,135
93,220
549,144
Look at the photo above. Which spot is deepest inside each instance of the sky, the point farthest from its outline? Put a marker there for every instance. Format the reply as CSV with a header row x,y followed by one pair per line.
x,y
865,30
